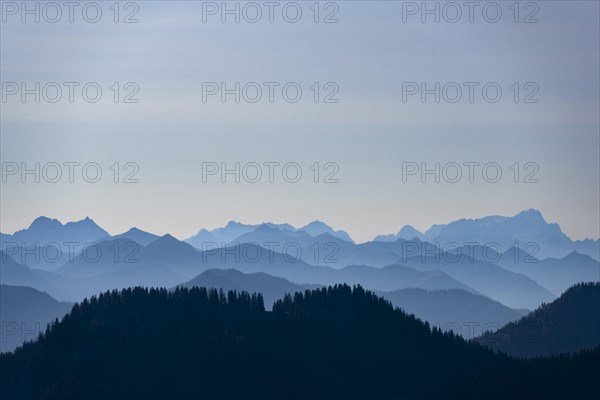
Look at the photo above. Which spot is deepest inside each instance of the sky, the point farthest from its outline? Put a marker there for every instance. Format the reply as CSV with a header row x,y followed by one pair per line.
x,y
360,141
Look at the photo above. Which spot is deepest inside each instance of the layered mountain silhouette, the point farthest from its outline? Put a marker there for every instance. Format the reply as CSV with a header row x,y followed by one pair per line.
x,y
230,233
335,342
120,263
323,249
44,230
510,288
317,228
47,257
16,274
303,326
568,324
138,236
307,255
465,313
555,274
525,227
202,240
24,313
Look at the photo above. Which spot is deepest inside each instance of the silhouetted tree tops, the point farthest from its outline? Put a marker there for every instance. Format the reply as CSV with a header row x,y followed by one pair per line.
x,y
334,342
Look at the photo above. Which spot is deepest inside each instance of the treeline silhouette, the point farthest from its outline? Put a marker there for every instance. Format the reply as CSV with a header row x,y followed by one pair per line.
x,y
334,342
568,324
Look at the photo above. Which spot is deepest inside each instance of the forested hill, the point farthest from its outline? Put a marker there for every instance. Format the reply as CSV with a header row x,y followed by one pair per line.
x,y
335,342
568,324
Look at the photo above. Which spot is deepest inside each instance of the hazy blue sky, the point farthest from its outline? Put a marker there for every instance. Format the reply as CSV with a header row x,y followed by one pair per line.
x,y
369,133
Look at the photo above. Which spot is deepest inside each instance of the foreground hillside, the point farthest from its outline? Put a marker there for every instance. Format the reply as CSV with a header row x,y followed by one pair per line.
x,y
568,324
334,342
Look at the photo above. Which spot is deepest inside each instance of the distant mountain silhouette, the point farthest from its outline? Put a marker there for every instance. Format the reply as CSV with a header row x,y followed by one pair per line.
x,y
16,274
317,228
170,261
463,312
167,261
103,257
511,289
174,261
45,257
138,236
334,342
24,312
44,230
233,230
568,324
557,275
589,247
323,249
168,249
270,287
231,233
526,226
202,239
387,278
407,232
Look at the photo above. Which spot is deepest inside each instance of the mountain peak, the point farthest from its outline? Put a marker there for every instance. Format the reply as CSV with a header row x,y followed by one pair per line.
x,y
531,215
265,227
574,255
233,224
167,241
317,223
317,228
409,232
168,237
85,221
45,222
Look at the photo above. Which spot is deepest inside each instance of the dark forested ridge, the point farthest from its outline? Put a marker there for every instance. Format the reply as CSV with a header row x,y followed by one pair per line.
x,y
570,323
335,342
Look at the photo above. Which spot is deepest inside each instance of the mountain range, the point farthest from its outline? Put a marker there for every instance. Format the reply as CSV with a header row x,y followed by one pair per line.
x,y
45,230
310,255
478,283
230,233
524,228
